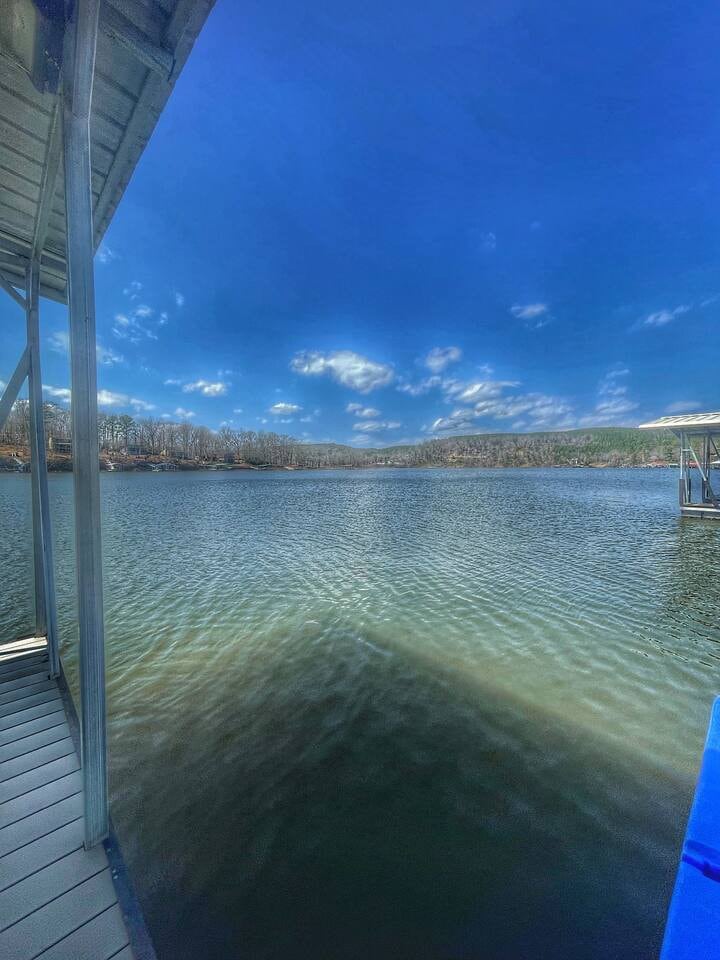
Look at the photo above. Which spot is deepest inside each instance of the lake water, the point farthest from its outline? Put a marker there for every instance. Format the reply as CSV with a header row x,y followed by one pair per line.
x,y
439,714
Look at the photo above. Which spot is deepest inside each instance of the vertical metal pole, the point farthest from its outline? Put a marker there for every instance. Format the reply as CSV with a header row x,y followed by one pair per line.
x,y
706,469
78,68
45,609
683,472
35,427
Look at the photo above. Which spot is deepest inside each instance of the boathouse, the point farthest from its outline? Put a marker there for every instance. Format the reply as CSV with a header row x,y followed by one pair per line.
x,y
699,436
82,85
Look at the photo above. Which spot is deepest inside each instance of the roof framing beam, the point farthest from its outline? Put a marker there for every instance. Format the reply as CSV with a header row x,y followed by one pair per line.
x,y
11,291
114,25
47,184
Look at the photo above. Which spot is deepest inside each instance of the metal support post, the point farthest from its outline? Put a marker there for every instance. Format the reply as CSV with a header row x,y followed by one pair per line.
x,y
78,67
45,610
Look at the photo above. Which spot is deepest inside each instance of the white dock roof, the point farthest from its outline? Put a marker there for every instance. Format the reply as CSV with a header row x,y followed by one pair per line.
x,y
142,46
690,422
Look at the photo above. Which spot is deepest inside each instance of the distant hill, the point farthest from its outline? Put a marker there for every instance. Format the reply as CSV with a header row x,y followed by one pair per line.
x,y
592,446
132,444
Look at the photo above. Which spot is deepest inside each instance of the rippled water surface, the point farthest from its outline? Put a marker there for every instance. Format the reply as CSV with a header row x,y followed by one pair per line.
x,y
396,714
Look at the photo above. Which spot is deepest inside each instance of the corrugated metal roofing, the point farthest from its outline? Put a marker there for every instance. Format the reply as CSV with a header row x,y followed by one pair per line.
x,y
128,97
701,421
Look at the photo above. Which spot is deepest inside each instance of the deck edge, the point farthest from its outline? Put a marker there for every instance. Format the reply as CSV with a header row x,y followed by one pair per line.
x,y
140,940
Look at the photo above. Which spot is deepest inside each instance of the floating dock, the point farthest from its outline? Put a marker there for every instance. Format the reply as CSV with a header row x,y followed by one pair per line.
x,y
58,901
82,86
699,436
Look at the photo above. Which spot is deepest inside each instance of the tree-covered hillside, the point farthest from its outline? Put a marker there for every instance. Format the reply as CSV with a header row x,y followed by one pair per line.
x,y
129,441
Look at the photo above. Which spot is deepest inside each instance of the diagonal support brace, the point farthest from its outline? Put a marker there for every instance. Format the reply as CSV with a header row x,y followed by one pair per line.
x,y
13,388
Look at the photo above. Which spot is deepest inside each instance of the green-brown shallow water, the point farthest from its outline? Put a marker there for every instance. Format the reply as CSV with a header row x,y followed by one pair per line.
x,y
396,714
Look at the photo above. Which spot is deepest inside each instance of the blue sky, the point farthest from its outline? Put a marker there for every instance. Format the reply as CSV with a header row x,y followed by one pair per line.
x,y
373,222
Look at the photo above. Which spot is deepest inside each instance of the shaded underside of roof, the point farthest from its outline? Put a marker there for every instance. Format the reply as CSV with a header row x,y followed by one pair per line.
x,y
688,423
142,46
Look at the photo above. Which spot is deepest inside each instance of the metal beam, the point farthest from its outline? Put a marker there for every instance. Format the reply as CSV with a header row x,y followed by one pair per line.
x,y
48,183
45,609
114,25
79,62
10,289
13,388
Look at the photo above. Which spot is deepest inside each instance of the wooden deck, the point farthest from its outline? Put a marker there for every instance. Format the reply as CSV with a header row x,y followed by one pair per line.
x,y
58,901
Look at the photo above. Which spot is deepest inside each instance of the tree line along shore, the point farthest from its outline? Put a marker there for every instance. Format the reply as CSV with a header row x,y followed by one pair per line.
x,y
129,443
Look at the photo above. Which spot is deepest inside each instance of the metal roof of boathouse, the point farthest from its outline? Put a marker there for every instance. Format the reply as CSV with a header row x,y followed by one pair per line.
x,y
142,46
689,423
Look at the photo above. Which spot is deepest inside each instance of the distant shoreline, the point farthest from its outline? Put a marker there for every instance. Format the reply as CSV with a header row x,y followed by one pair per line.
x,y
595,447
167,467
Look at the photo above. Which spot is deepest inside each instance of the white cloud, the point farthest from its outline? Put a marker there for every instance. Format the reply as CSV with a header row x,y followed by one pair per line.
x,y
471,392
683,406
375,426
441,357
488,241
359,410
183,413
57,393
421,388
345,367
141,405
107,356
535,315
284,409
539,410
133,289
613,403
60,343
128,326
662,317
105,254
108,398
171,382
179,299
237,409
206,388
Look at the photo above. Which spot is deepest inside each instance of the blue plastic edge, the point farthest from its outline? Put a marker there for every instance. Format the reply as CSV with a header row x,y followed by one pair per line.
x,y
692,931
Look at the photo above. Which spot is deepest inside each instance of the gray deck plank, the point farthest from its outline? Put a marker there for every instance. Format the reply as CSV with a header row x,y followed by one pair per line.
x,y
57,900
14,867
10,666
10,709
32,742
31,713
47,773
10,769
101,938
38,799
25,670
30,678
28,895
47,926
14,734
13,695
125,954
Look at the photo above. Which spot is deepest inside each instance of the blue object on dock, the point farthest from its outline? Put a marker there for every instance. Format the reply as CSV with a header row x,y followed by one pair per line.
x,y
693,926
